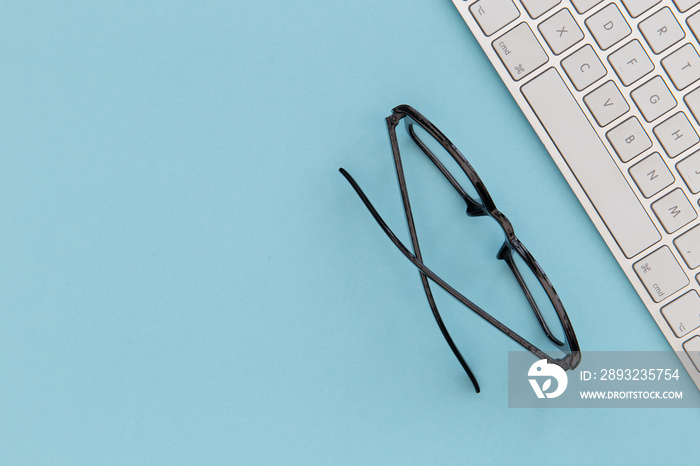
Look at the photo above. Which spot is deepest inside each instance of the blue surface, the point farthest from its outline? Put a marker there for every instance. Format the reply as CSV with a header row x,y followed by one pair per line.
x,y
186,278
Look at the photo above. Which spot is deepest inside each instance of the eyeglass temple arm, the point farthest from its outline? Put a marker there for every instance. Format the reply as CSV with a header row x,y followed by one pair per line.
x,y
431,300
391,124
444,285
446,335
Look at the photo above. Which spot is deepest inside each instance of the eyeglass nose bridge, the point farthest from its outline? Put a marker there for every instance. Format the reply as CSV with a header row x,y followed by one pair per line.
x,y
475,209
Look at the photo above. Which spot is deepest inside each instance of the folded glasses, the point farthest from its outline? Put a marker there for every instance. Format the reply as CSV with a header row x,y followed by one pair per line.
x,y
538,290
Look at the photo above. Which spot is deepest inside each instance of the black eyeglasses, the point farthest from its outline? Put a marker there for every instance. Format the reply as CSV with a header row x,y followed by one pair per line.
x,y
538,290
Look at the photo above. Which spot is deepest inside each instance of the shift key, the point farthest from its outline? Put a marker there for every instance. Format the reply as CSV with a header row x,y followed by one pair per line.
x,y
520,51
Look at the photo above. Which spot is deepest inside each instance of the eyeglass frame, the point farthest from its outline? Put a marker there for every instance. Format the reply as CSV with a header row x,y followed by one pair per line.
x,y
474,209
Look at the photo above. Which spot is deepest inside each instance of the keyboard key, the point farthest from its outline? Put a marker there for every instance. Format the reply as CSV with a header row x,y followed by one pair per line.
x,y
683,66
692,100
631,62
583,6
685,5
661,274
492,15
536,8
683,314
606,103
694,24
520,51
637,7
651,175
608,26
692,349
583,67
591,163
689,168
676,135
674,211
629,139
688,244
560,31
661,30
653,98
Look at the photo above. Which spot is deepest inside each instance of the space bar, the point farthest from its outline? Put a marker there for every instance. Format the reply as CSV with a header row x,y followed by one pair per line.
x,y
590,163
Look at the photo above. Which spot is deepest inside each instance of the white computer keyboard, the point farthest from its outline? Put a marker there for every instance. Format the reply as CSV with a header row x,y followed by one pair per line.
x,y
613,90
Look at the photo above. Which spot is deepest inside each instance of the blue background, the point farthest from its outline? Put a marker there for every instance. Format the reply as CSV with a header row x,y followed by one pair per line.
x,y
186,278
